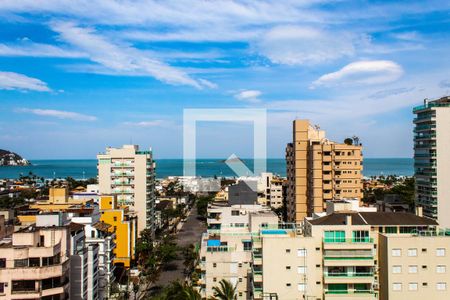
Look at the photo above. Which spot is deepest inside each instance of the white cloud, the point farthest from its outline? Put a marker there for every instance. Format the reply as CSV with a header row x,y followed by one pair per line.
x,y
16,81
362,72
121,59
60,114
249,96
153,123
295,45
28,48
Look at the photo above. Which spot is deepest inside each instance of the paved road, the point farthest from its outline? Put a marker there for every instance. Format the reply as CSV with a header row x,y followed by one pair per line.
x,y
190,233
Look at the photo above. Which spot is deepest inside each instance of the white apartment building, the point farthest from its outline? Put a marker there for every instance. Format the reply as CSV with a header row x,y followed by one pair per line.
x,y
130,174
226,248
100,243
432,159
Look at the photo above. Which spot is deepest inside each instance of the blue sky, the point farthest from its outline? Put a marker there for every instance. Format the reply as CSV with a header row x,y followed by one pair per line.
x,y
77,76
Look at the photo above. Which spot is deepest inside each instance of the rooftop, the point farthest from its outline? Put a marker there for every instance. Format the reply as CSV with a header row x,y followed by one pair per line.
x,y
441,102
374,218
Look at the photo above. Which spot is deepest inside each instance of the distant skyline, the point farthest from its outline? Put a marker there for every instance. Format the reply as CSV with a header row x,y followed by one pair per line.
x,y
78,76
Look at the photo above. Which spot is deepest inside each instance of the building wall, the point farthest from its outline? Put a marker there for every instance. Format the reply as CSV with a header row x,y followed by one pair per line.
x,y
319,170
130,174
424,264
443,165
284,275
124,226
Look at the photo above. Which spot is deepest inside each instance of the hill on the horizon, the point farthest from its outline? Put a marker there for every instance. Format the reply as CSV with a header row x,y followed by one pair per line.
x,y
8,158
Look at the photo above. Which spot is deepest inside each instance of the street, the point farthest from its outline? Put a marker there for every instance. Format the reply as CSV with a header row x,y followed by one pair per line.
x,y
190,233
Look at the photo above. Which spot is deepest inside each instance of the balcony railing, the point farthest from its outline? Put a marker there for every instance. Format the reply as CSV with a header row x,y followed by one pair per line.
x,y
352,240
346,292
219,249
350,275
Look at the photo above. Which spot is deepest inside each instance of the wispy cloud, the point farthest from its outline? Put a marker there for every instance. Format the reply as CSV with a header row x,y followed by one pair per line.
x,y
26,47
296,45
151,123
16,81
362,72
60,114
121,59
251,96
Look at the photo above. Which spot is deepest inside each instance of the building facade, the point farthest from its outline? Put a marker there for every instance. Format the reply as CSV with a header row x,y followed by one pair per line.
x,y
432,158
130,174
319,170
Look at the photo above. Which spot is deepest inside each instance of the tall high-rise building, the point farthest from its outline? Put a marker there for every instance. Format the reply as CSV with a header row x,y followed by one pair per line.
x,y
130,174
432,159
319,170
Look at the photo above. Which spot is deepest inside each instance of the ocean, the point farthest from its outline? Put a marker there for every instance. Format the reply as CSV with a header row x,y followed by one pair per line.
x,y
87,168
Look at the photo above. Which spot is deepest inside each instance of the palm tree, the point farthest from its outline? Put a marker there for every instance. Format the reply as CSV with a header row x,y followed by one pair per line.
x,y
225,291
190,293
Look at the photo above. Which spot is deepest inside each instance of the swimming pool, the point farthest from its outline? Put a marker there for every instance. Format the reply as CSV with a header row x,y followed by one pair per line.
x,y
273,231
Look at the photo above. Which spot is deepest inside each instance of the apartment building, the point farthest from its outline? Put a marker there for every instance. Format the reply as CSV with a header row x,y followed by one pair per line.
x,y
269,188
94,256
35,261
414,266
123,223
337,256
319,170
226,247
432,158
130,174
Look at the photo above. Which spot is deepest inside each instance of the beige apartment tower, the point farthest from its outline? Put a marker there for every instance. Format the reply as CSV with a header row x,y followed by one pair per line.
x,y
319,170
130,174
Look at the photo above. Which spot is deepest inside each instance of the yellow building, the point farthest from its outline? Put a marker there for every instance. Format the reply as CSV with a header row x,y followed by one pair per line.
x,y
124,223
319,170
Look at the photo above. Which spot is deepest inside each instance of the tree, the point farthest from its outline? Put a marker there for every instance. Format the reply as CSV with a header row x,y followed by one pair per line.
x,y
348,141
225,291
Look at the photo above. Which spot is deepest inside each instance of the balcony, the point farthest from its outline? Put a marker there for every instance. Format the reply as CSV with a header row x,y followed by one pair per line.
x,y
343,240
219,249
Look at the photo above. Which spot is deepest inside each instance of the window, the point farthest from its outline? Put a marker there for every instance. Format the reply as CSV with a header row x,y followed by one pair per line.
x,y
412,252
396,252
288,284
235,213
412,286
2,263
441,286
424,250
301,287
335,236
240,279
20,263
424,267
23,286
247,245
214,265
396,286
214,279
34,262
440,269
424,284
301,252
115,219
301,270
240,265
2,287
391,229
361,236
288,267
288,250
440,252
240,294
412,269
396,269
